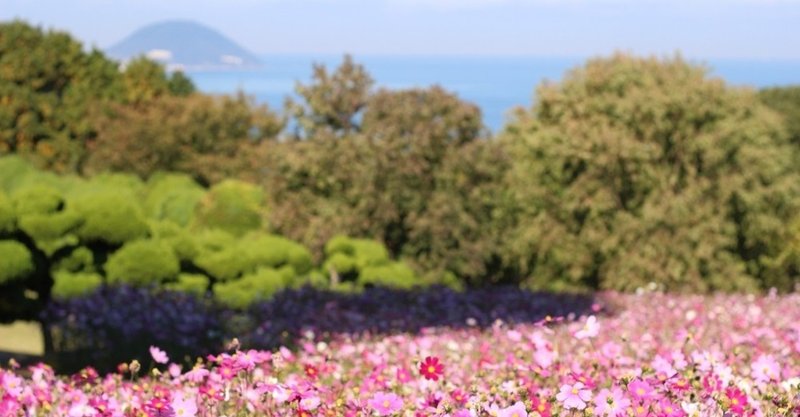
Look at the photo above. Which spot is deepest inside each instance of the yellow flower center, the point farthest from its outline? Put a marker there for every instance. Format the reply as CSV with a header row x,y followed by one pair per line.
x,y
574,390
734,401
431,369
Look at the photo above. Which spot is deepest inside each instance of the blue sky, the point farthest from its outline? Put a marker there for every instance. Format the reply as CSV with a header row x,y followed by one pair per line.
x,y
706,29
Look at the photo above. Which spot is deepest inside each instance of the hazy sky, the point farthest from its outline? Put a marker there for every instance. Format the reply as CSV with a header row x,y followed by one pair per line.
x,y
763,29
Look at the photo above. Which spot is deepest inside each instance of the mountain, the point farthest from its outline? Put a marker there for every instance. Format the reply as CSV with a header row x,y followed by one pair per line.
x,y
184,45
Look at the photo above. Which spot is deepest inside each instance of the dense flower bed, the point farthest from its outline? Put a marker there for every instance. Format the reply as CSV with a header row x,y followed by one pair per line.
x,y
656,355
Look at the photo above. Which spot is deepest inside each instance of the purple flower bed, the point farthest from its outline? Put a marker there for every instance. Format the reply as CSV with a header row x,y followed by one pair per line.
x,y
115,324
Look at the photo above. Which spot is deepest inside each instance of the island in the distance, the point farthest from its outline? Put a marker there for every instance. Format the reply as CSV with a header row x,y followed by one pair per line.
x,y
184,45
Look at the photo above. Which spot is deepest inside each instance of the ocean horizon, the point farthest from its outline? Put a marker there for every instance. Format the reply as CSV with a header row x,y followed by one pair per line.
x,y
497,84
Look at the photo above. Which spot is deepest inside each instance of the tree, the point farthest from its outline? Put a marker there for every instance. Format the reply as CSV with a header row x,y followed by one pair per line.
x,y
331,102
199,135
786,101
634,170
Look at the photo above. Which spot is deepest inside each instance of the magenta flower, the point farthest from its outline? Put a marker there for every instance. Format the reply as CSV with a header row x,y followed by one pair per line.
x,y
516,410
158,355
610,403
574,396
385,404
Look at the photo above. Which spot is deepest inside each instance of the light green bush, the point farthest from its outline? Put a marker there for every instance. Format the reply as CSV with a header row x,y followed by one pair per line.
x,y
37,199
173,197
190,283
259,285
81,259
393,275
254,251
16,262
178,238
69,284
110,218
7,215
142,262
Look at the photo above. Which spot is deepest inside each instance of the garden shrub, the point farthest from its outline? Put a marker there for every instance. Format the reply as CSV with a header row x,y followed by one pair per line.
x,y
80,259
172,197
7,215
142,262
196,284
397,275
110,218
16,261
74,284
233,206
51,232
349,257
178,238
259,285
254,251
37,199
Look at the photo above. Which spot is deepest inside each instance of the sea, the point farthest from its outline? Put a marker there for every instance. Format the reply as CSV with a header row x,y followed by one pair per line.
x,y
495,84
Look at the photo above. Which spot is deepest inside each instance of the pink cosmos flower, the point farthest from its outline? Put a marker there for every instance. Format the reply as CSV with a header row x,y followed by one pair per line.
x,y
574,396
385,404
668,409
610,403
516,410
158,355
737,400
640,390
590,329
184,407
765,369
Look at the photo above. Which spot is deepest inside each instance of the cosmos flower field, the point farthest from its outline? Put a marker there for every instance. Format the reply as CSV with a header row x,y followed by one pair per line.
x,y
632,355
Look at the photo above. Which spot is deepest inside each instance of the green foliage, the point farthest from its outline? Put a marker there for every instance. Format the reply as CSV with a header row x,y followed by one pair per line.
x,y
331,102
199,135
37,199
7,215
172,197
233,206
259,285
190,283
80,259
142,262
180,84
636,170
70,284
393,275
110,218
16,262
786,101
48,86
248,254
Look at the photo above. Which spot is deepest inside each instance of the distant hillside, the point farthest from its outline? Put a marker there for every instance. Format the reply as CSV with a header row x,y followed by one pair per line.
x,y
184,44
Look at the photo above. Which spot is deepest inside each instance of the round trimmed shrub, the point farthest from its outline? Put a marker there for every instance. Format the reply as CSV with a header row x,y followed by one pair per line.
x,y
110,218
252,252
142,262
396,275
69,285
16,261
196,284
260,285
81,259
37,199
173,197
7,216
